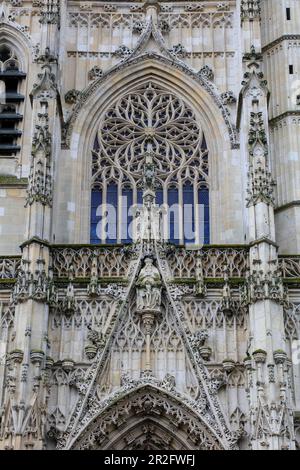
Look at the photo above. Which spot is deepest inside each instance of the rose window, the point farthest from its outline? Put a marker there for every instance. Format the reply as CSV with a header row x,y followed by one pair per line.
x,y
150,118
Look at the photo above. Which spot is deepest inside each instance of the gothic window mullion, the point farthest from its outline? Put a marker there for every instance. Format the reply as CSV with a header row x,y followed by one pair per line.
x,y
165,226
180,213
104,210
119,212
196,213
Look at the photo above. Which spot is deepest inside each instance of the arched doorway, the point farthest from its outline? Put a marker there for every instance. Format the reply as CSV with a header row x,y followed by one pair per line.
x,y
147,418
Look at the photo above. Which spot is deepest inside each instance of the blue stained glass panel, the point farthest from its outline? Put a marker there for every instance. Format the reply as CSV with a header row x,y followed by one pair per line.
x,y
159,197
203,199
188,213
173,215
140,196
127,201
112,213
96,201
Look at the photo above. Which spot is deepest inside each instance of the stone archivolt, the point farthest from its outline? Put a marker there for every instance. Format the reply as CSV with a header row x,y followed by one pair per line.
x,y
139,407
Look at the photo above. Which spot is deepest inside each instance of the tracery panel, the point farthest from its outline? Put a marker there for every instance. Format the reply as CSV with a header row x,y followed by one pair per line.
x,y
150,120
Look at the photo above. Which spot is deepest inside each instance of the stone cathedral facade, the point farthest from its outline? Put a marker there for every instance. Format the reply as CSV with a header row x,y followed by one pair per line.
x,y
150,224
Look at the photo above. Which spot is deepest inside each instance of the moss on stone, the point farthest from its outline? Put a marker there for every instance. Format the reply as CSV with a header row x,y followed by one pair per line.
x,y
88,245
183,280
86,280
291,280
10,180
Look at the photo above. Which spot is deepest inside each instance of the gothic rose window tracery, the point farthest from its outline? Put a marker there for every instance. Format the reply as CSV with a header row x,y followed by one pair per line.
x,y
150,117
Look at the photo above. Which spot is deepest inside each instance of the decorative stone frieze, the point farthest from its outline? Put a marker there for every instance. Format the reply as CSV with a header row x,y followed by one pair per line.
x,y
50,12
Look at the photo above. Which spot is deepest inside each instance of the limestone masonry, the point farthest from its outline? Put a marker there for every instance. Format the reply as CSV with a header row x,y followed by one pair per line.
x,y
150,224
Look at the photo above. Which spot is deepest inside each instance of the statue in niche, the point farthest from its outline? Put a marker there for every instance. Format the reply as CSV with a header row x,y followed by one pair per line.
x,y
149,287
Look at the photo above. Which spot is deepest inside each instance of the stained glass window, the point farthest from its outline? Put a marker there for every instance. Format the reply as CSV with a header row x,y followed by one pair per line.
x,y
150,117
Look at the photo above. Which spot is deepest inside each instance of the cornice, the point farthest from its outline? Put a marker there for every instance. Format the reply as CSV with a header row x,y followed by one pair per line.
x,y
284,37
280,117
33,240
13,182
263,240
286,206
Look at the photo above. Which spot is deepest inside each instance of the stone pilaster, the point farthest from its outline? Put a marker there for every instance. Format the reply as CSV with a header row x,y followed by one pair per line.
x,y
271,421
27,380
50,21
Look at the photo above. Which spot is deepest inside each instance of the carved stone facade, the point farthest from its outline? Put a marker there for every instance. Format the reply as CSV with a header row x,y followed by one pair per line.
x,y
148,341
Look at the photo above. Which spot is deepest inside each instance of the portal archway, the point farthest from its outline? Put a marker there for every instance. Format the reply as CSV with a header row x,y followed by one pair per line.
x,y
147,417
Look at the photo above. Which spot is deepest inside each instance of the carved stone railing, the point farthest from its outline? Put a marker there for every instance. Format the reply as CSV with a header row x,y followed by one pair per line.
x,y
290,266
112,262
9,266
183,262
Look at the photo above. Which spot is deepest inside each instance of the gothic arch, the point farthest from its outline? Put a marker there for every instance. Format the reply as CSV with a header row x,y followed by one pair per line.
x,y
18,41
148,433
126,419
100,96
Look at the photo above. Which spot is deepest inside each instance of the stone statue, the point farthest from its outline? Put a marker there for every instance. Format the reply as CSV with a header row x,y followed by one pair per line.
x,y
149,287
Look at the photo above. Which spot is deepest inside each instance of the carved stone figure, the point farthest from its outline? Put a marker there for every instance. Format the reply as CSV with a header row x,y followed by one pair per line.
x,y
149,287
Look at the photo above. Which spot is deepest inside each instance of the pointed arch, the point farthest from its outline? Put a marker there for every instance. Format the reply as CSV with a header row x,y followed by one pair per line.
x,y
146,408
88,113
12,75
150,116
